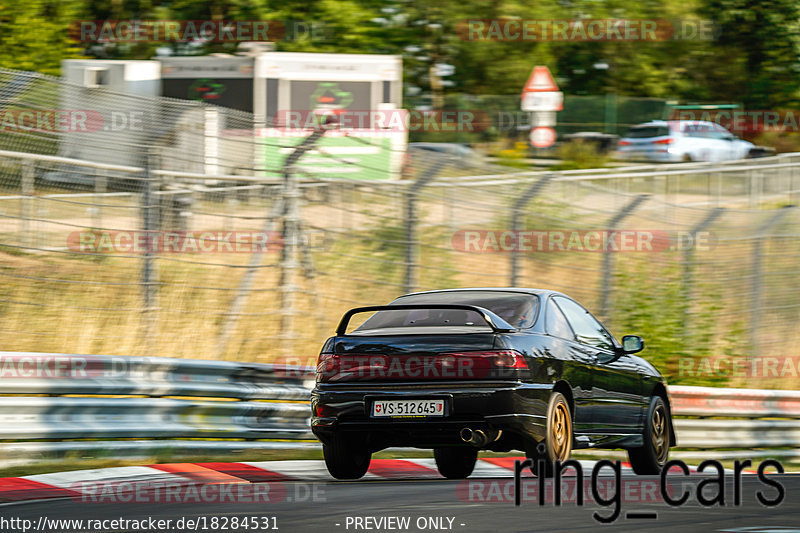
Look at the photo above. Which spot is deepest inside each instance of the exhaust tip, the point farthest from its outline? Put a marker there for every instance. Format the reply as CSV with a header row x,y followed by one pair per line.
x,y
479,437
476,437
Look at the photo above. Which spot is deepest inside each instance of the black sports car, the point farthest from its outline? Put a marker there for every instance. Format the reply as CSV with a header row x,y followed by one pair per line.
x,y
495,369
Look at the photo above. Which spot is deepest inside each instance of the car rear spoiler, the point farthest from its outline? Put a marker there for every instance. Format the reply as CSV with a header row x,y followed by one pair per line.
x,y
497,324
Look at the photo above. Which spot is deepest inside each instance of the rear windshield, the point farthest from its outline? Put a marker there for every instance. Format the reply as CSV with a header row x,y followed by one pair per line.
x,y
517,309
643,132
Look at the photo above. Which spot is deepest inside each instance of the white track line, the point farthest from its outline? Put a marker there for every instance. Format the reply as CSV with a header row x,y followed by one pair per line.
x,y
72,480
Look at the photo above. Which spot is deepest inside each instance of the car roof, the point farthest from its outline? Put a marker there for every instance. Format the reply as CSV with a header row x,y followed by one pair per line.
x,y
672,124
693,123
651,123
524,290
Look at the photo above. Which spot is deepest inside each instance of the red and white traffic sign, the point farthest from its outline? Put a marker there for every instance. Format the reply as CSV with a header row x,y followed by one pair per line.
x,y
541,81
541,92
543,137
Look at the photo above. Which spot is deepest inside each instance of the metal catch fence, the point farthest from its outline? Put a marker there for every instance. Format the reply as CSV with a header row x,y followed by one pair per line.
x,y
176,237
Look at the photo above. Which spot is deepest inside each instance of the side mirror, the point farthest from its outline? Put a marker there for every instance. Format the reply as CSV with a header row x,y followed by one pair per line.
x,y
632,344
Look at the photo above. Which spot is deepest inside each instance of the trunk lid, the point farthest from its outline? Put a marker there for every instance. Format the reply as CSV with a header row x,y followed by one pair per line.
x,y
408,357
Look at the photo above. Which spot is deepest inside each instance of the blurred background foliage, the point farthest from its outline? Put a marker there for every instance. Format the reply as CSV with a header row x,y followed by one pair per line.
x,y
751,57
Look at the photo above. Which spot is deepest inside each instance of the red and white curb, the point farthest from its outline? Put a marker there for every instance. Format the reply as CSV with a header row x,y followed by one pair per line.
x,y
79,484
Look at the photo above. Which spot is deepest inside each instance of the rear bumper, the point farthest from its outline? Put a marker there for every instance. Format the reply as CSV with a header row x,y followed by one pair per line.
x,y
515,407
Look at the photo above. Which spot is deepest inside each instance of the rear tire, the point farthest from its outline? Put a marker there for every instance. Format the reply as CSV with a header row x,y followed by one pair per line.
x,y
346,458
650,458
557,445
455,463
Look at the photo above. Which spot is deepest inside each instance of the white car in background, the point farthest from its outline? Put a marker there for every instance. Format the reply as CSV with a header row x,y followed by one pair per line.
x,y
672,141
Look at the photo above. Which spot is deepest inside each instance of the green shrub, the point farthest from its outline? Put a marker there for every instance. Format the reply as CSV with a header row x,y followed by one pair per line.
x,y
579,154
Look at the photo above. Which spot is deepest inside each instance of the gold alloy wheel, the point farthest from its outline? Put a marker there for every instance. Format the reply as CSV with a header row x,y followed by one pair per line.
x,y
560,432
659,434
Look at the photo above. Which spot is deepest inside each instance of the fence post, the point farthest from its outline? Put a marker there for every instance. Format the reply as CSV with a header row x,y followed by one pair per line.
x,y
289,264
286,207
529,194
287,285
149,227
100,188
28,174
755,294
412,242
605,289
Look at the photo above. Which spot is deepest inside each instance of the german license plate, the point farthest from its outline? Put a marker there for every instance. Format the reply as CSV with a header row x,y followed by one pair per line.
x,y
407,408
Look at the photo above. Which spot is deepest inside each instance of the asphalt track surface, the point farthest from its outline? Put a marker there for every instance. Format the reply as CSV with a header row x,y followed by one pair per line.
x,y
444,505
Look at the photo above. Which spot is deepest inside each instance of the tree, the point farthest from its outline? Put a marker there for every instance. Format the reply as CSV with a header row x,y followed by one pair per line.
x,y
755,57
33,34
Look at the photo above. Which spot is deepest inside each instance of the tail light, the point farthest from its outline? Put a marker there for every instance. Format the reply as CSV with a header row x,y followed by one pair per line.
x,y
510,359
624,143
668,140
324,411
327,363
444,366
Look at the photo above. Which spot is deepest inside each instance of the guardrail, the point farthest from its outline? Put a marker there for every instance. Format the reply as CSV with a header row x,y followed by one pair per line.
x,y
108,399
68,402
737,418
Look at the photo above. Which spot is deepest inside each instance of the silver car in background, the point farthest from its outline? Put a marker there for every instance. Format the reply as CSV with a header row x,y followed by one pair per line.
x,y
672,141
